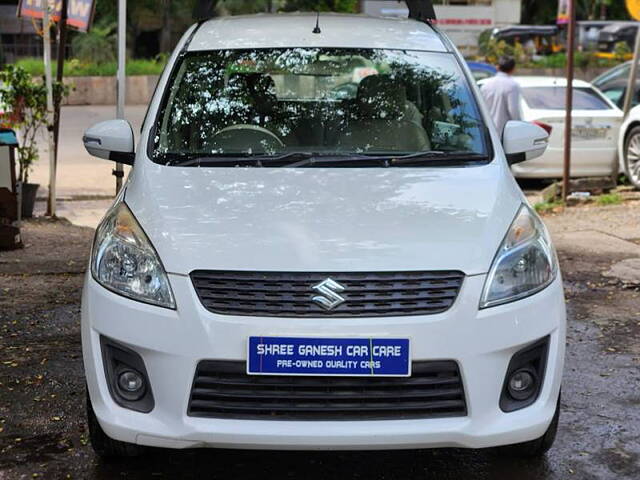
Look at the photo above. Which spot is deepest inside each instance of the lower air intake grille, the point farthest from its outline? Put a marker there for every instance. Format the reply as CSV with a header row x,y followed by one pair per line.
x,y
291,294
222,389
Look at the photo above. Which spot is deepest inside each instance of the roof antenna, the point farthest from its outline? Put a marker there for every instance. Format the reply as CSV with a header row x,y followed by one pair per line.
x,y
317,29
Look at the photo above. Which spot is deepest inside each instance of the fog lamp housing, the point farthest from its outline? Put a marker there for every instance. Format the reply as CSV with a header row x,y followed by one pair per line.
x,y
126,376
525,376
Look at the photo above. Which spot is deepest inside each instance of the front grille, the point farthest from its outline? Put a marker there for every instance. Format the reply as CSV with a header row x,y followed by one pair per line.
x,y
290,294
222,389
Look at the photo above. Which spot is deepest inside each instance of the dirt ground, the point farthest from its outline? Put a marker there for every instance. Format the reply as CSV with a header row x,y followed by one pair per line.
x,y
42,426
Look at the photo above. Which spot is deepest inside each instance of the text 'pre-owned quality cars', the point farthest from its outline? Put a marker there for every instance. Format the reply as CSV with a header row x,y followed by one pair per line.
x,y
321,246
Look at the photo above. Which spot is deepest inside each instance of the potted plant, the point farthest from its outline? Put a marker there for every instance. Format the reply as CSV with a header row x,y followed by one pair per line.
x,y
27,102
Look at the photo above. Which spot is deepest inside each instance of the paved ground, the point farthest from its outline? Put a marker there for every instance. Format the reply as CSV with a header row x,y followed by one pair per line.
x,y
78,172
42,430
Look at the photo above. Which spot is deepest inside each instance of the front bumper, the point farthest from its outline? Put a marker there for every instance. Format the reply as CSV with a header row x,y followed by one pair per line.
x,y
173,342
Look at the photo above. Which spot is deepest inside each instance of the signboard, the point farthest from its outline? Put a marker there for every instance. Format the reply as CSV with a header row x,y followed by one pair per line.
x,y
380,357
80,12
634,8
563,12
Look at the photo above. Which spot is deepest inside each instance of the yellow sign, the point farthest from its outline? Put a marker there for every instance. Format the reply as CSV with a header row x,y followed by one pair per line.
x,y
634,8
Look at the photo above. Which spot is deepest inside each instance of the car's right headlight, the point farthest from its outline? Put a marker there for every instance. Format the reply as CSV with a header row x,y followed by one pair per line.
x,y
524,264
124,261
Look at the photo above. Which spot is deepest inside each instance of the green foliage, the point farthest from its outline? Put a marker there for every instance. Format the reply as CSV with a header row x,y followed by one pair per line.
x,y
76,68
547,207
538,12
609,199
493,49
556,60
27,100
241,7
97,46
621,51
346,6
582,60
585,60
483,41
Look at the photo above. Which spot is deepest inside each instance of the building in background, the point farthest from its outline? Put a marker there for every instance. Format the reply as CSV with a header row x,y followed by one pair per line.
x,y
462,20
18,37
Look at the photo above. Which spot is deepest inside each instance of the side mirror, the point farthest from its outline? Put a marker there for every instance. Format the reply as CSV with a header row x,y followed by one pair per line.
x,y
111,140
523,141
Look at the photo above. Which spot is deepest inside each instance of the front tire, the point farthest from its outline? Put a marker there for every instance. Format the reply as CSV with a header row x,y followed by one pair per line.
x,y
539,446
104,446
632,156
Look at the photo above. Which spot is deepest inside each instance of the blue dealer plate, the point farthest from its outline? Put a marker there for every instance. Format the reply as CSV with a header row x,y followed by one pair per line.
x,y
388,357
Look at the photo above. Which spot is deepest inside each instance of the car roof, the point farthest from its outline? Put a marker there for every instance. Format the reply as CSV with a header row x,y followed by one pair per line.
x,y
530,81
296,30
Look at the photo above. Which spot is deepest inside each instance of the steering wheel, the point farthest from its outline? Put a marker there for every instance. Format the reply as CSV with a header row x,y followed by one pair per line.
x,y
244,138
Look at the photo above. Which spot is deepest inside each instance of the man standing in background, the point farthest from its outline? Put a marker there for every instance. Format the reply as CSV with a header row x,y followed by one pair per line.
x,y
502,94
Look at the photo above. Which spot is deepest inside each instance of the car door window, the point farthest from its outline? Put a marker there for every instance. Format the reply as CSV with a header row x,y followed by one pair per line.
x,y
616,95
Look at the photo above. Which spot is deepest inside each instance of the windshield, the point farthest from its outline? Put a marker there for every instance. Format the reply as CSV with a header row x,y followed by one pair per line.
x,y
555,98
272,102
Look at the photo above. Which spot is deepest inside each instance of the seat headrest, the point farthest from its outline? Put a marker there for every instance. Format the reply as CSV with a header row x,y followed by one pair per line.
x,y
380,96
257,89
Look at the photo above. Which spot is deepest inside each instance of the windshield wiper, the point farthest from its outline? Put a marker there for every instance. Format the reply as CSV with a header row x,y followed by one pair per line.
x,y
438,155
308,159
239,159
394,160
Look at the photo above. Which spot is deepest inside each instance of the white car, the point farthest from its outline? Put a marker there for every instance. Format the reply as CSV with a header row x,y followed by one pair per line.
x,y
596,123
629,146
288,267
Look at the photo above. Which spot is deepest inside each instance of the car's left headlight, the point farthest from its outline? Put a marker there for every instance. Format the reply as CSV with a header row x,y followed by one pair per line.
x,y
524,264
124,261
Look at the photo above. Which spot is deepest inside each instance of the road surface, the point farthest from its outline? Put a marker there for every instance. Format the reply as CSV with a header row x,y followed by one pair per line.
x,y
80,174
42,426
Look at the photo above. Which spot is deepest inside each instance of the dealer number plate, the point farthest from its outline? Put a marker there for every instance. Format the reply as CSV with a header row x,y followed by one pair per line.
x,y
374,357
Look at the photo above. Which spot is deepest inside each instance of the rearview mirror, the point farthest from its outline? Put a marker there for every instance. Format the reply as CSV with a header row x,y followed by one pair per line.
x,y
523,141
111,140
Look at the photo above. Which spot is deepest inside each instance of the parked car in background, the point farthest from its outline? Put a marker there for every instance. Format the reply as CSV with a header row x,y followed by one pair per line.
x,y
596,123
616,91
289,267
481,70
613,83
629,146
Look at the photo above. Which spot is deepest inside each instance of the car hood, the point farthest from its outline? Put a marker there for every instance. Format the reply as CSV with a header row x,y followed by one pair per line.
x,y
324,220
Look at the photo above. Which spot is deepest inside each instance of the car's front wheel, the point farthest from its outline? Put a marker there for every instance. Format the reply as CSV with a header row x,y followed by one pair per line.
x,y
632,156
539,446
104,446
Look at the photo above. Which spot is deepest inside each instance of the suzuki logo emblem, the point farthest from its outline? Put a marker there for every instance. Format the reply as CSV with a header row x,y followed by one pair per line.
x,y
329,290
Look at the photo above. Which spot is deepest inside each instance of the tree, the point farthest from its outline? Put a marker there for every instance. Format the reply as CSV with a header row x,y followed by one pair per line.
x,y
153,25
602,9
240,7
539,12
98,45
27,100
346,6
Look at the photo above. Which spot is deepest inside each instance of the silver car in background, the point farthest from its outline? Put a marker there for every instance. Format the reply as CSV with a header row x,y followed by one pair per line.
x,y
594,134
